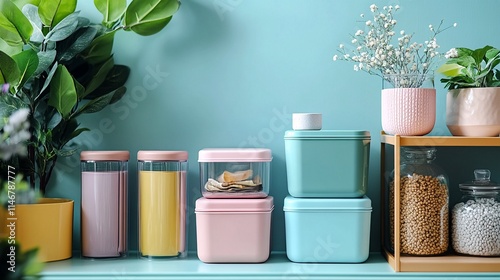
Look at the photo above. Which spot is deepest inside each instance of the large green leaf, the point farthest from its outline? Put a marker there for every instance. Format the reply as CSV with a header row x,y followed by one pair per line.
x,y
115,79
8,49
111,10
100,49
79,41
27,62
22,3
15,28
95,105
64,28
62,92
119,93
31,12
479,54
45,59
9,73
53,11
147,17
99,76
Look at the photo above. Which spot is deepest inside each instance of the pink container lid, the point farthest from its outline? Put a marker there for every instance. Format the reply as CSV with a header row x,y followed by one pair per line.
x,y
234,205
162,155
105,155
234,155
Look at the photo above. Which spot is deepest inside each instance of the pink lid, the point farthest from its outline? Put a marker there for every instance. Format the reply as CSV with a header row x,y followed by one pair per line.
x,y
162,155
105,155
234,155
234,205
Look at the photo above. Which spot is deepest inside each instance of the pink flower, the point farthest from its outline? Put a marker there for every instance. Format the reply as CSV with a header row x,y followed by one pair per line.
x,y
5,88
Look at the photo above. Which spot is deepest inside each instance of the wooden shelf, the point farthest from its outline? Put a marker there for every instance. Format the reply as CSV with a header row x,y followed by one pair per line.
x,y
440,141
445,263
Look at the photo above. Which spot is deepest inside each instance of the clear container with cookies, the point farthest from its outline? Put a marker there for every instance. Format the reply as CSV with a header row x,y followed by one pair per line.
x,y
235,172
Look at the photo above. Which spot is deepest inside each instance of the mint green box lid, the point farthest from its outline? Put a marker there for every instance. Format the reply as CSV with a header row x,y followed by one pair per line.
x,y
327,134
294,204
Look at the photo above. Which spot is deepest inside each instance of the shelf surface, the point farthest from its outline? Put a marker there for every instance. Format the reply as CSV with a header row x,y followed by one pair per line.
x,y
446,263
277,267
440,141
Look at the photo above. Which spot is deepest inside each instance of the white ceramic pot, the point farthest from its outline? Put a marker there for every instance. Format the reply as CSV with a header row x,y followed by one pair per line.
x,y
408,111
473,112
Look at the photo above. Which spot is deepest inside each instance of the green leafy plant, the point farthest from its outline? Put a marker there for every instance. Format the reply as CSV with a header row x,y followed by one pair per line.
x,y
60,66
466,68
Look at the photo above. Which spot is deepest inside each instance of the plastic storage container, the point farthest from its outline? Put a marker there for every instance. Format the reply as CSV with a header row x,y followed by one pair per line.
x,y
327,163
162,203
104,203
424,197
476,219
320,230
233,230
235,173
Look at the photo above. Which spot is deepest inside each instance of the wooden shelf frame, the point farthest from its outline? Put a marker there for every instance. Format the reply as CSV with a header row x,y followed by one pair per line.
x,y
445,263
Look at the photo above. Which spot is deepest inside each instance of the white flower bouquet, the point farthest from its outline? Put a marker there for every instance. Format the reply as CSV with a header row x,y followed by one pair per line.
x,y
377,51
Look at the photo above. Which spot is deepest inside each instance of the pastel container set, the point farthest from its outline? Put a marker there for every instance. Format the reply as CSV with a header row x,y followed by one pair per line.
x,y
233,218
327,215
162,203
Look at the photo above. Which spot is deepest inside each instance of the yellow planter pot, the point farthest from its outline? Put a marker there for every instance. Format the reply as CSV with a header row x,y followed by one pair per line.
x,y
47,225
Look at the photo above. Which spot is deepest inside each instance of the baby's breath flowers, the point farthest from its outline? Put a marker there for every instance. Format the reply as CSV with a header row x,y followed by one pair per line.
x,y
377,51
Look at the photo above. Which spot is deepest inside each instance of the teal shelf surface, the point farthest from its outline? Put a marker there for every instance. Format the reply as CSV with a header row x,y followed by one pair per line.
x,y
277,267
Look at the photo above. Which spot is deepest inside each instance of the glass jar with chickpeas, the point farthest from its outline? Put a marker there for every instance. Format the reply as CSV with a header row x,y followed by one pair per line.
x,y
424,201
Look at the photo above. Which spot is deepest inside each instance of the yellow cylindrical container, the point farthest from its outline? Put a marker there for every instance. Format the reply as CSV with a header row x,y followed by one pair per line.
x,y
162,203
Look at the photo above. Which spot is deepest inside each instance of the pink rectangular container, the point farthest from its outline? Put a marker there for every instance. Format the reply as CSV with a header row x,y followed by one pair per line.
x,y
233,230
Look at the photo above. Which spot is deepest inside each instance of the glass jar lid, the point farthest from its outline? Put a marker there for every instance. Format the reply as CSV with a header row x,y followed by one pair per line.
x,y
481,182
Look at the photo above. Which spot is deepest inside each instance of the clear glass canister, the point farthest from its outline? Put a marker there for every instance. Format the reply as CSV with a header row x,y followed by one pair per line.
x,y
476,219
162,203
423,204
104,203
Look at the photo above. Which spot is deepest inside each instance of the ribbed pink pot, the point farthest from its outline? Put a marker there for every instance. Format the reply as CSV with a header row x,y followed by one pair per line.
x,y
473,112
408,111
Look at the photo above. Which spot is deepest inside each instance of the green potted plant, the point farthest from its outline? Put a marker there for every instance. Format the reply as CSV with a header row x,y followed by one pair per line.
x,y
473,99
406,68
60,66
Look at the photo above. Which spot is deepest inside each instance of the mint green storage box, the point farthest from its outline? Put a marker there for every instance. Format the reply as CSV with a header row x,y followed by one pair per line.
x,y
327,163
327,230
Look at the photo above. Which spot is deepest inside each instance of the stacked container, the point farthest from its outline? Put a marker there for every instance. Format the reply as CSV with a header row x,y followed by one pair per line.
x,y
327,215
233,218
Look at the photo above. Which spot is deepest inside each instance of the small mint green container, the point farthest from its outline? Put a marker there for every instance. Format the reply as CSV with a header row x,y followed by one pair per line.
x,y
327,163
327,230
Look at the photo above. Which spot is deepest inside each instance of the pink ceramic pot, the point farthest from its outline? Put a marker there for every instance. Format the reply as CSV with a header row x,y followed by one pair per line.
x,y
408,111
473,112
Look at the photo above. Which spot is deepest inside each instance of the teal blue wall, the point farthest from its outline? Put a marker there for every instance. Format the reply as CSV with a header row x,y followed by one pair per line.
x,y
229,73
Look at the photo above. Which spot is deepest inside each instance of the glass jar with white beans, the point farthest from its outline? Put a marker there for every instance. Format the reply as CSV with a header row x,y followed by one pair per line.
x,y
476,219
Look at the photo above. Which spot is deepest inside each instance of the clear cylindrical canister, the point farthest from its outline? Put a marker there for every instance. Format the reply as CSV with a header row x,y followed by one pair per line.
x,y
104,203
162,203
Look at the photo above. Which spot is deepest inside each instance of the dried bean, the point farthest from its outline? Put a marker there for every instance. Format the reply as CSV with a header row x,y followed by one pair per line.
x,y
424,215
